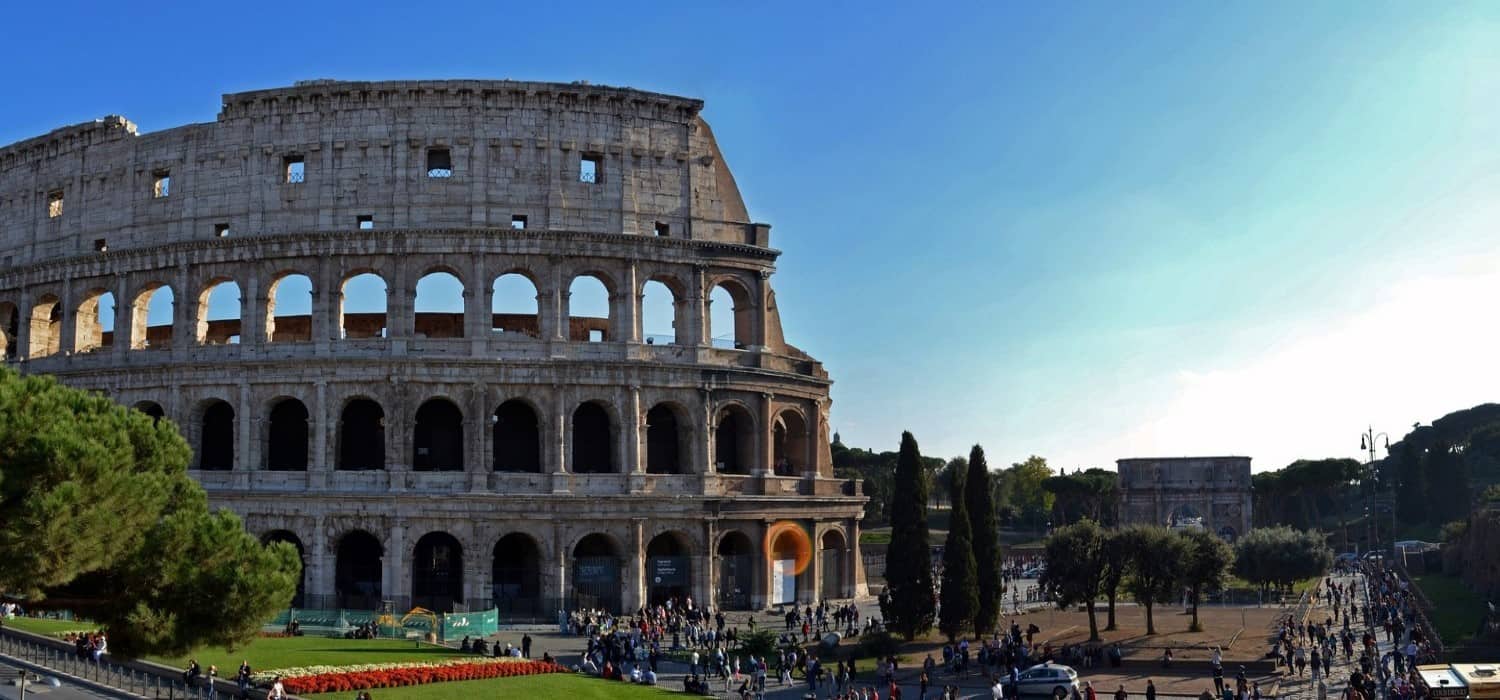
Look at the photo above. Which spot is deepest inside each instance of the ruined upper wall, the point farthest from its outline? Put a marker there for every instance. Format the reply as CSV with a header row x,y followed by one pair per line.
x,y
516,150
1184,473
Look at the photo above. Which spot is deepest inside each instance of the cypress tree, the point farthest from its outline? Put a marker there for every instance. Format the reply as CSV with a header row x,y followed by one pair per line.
x,y
960,590
986,533
909,606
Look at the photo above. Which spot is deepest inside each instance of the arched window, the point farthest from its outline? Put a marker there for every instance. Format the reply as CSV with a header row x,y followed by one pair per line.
x,y
46,327
737,563
10,328
731,316
357,568
596,574
734,441
151,408
286,437
835,563
362,307
661,315
289,309
439,306
517,439
669,569
151,318
790,444
593,440
438,437
666,443
292,539
588,310
437,577
513,307
216,437
94,324
219,313
362,436
517,577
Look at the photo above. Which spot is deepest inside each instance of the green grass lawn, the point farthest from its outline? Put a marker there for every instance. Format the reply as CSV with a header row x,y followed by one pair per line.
x,y
49,626
882,536
1457,610
286,652
559,686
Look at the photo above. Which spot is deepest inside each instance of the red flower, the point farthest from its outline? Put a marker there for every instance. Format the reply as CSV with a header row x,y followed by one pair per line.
x,y
414,675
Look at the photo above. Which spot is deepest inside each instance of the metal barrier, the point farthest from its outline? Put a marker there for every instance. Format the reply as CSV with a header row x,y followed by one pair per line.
x,y
125,677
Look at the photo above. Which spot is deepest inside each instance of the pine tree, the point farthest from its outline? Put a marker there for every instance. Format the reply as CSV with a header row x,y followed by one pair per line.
x,y
909,607
960,590
980,503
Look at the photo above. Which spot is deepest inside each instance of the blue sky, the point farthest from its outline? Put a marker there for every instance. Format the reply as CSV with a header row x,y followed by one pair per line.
x,y
1081,230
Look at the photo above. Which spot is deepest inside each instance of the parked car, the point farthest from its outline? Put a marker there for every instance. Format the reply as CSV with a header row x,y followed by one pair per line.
x,y
1034,572
1346,556
1048,680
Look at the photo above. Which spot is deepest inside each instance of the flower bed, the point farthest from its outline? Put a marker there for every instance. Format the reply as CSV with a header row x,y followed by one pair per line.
x,y
328,679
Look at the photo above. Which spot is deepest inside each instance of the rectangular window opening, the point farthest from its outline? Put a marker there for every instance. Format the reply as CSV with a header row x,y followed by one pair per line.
x,y
518,222
295,169
591,168
54,204
596,335
663,230
161,184
101,245
221,230
439,162
366,222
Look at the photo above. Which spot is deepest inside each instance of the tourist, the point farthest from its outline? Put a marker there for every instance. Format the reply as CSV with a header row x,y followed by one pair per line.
x,y
191,674
211,691
1120,694
1150,690
242,678
526,646
278,691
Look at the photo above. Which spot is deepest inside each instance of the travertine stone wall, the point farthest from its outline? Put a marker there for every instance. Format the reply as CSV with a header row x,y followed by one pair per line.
x,y
1217,489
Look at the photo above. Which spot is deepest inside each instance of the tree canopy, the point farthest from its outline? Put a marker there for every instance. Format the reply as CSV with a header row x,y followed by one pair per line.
x,y
1280,556
1156,557
1205,567
980,504
960,587
909,606
99,516
1075,567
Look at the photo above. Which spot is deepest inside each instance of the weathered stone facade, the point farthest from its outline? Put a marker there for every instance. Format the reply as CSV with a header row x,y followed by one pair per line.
x,y
1173,490
527,460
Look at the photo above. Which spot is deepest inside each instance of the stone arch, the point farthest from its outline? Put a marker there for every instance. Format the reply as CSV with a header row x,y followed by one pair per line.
x,y
516,576
438,304
287,435
437,577
833,550
737,562
150,408
94,322
596,566
669,439
438,436
1187,515
663,316
364,302
361,435
789,443
515,307
10,330
291,538
734,439
46,326
669,568
218,312
289,306
216,435
588,294
593,439
357,570
790,552
151,314
517,437
731,314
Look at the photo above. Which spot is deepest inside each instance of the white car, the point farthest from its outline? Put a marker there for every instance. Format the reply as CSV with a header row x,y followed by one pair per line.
x,y
1048,680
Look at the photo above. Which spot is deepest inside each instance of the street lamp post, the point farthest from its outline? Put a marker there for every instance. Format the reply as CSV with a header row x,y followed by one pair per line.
x,y
1367,441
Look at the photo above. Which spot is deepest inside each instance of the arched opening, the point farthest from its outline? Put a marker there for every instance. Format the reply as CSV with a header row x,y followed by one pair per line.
x,y
788,549
513,307
216,437
362,436
437,577
286,437
734,441
10,328
289,309
593,440
596,574
151,408
362,307
439,306
588,310
790,456
1185,517
731,316
291,538
151,318
356,571
46,327
517,438
219,313
669,569
438,437
517,577
835,570
94,324
737,563
666,442
661,315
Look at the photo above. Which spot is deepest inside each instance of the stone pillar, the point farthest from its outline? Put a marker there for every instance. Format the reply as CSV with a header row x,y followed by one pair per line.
x,y
707,444
400,321
476,463
708,577
246,454
856,579
697,310
121,342
766,449
253,303
184,315
560,566
327,296
396,585
555,314
320,462
478,305
320,566
814,571
632,453
763,582
67,337
634,575
558,459
626,314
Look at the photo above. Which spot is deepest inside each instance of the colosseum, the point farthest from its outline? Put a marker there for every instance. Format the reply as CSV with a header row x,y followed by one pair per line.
x,y
356,300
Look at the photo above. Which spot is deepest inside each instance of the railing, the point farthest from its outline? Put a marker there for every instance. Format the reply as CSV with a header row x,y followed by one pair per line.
x,y
128,677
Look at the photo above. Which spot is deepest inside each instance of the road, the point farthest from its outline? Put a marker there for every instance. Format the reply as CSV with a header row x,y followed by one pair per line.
x,y
10,691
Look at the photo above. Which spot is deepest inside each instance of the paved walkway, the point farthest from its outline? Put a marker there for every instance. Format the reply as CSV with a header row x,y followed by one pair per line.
x,y
1294,687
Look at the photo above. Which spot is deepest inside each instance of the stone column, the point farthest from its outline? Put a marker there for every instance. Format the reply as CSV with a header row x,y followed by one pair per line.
x,y
766,450
763,599
400,323
121,342
697,311
814,570
557,457
555,314
67,334
327,296
246,452
396,585
321,564
856,564
632,455
476,463
320,464
253,303
709,576
559,565
23,327
478,305
707,444
634,575
626,314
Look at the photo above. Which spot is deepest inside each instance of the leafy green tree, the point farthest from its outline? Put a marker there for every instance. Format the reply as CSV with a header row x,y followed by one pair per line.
x,y
1205,567
99,516
908,563
960,587
1156,555
1448,485
980,503
1092,494
1075,558
1411,486
1024,490
1116,561
1280,556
